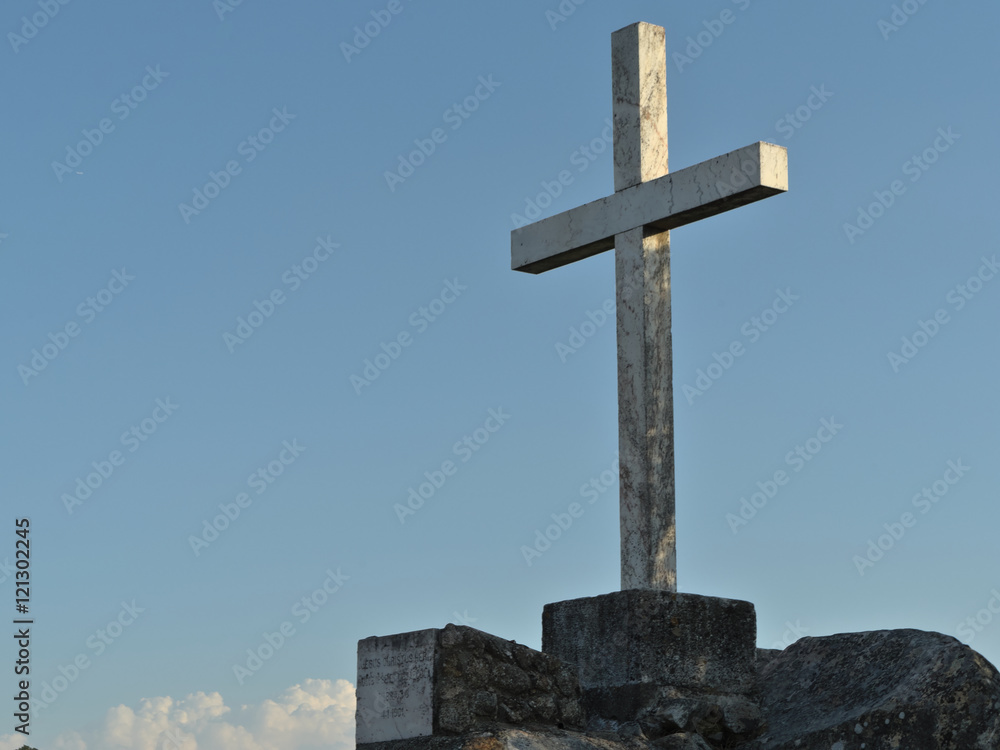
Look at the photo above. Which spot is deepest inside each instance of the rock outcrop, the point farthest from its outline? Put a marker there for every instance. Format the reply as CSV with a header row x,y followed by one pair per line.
x,y
882,690
879,690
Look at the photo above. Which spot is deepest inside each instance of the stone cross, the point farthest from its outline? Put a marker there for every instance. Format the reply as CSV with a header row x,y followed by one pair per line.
x,y
635,221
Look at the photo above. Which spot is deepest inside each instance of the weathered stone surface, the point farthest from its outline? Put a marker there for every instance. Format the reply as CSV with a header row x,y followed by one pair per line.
x,y
682,741
395,686
637,638
671,662
883,690
457,680
764,656
639,104
545,738
635,221
736,179
879,690
642,304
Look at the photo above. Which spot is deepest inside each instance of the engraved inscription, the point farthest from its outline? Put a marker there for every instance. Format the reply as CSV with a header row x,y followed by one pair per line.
x,y
395,686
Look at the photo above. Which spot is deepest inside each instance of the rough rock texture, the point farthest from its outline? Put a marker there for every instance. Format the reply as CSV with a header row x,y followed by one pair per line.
x,y
764,657
682,741
632,637
670,662
533,738
485,679
883,690
898,689
457,680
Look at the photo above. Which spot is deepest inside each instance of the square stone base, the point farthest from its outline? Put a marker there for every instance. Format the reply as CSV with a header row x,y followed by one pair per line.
x,y
670,661
507,738
457,680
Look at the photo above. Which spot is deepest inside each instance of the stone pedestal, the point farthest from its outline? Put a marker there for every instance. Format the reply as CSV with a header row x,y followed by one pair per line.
x,y
672,662
539,739
457,680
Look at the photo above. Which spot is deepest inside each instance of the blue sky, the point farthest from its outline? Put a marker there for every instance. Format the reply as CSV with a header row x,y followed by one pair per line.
x,y
134,304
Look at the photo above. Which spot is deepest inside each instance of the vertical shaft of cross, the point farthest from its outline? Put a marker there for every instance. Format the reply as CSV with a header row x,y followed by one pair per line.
x,y
642,282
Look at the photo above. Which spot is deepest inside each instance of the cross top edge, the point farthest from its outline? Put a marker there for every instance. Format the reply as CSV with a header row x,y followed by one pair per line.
x,y
639,104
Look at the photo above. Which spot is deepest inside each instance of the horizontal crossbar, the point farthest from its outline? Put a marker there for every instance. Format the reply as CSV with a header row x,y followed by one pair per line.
x,y
735,179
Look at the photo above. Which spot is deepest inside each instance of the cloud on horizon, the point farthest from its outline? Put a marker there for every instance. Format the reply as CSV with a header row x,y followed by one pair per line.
x,y
313,714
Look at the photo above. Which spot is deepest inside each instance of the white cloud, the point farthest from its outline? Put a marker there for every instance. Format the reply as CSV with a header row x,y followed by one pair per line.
x,y
12,741
70,741
313,714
